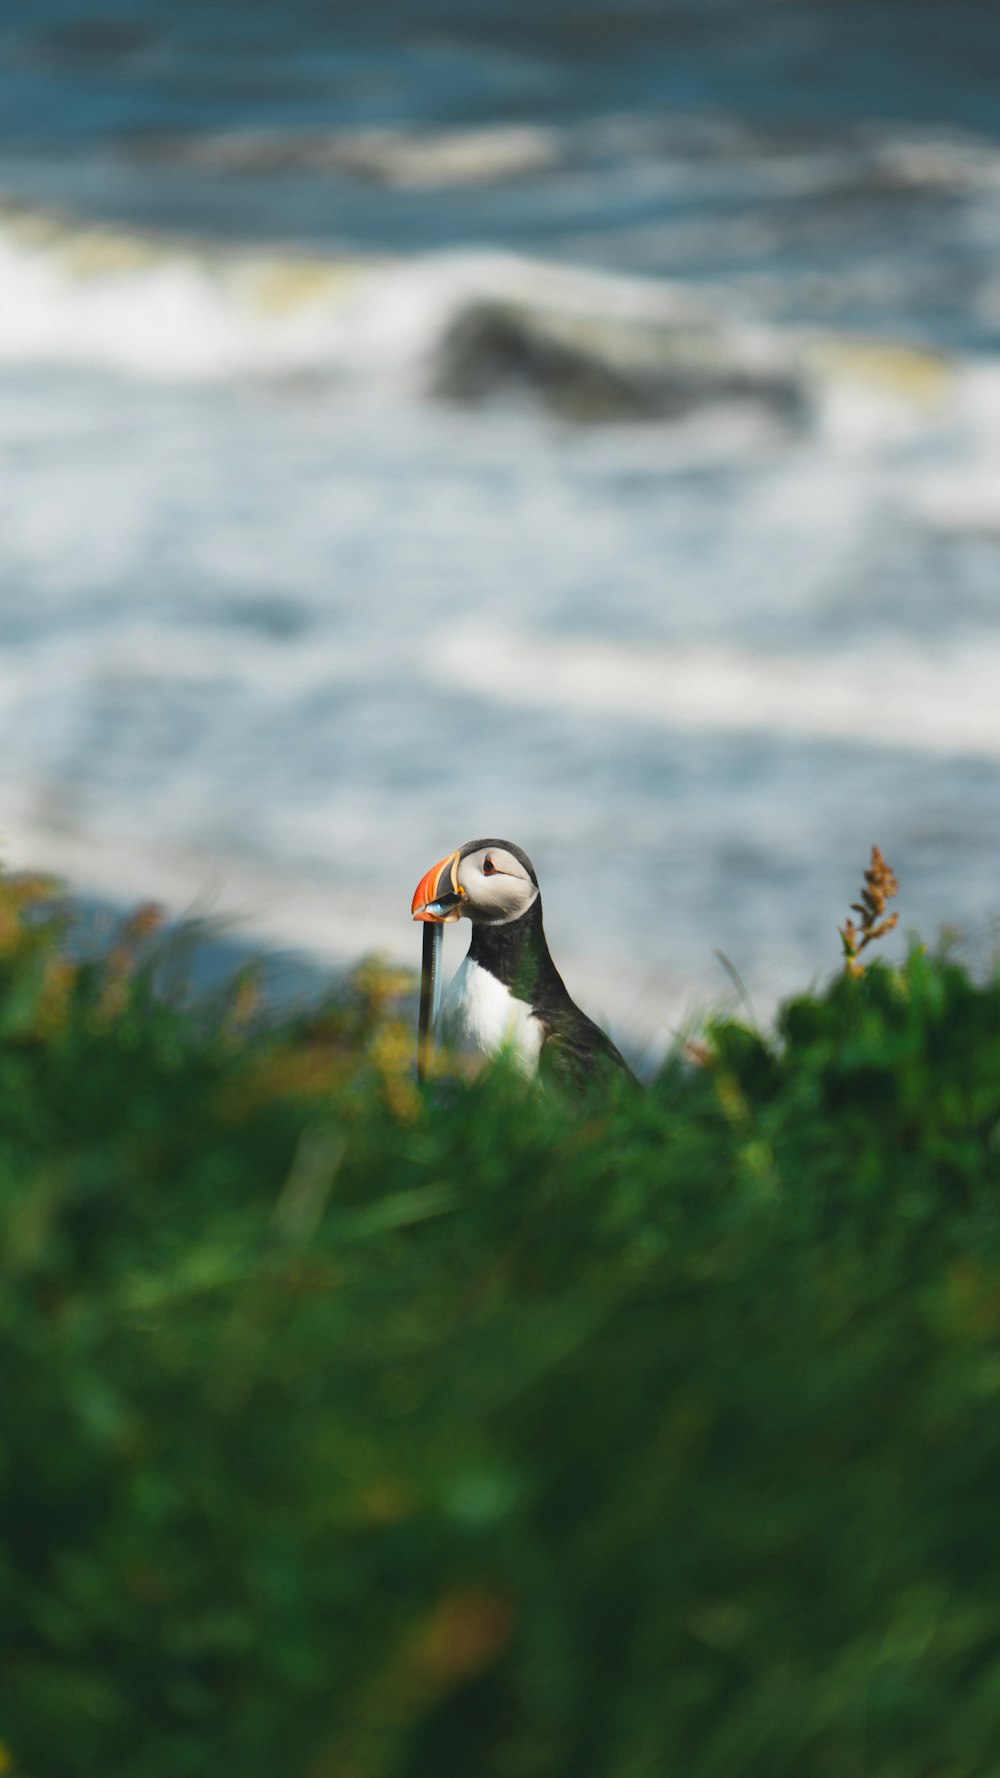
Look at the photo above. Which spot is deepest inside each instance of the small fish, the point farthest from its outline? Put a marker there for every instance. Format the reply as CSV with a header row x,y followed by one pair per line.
x,y
443,905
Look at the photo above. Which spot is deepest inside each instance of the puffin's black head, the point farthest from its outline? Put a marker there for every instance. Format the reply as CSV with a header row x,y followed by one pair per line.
x,y
491,882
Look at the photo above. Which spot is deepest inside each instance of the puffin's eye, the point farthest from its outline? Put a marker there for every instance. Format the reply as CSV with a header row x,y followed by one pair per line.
x,y
489,868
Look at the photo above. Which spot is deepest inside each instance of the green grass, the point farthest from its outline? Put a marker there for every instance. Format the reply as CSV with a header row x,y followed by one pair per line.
x,y
351,1431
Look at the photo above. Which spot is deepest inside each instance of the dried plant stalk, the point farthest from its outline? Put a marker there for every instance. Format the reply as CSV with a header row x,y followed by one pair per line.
x,y
880,885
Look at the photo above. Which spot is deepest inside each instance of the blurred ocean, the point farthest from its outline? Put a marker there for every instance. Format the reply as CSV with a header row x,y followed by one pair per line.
x,y
575,423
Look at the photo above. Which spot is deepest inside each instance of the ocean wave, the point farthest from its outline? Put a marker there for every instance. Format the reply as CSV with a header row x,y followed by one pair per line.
x,y
116,300
753,155
466,326
409,159
941,703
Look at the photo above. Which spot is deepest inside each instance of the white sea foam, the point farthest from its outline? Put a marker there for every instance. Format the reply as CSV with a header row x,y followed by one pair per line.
x,y
942,703
102,298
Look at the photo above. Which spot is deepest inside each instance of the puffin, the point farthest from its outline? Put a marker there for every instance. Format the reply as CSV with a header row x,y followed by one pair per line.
x,y
507,993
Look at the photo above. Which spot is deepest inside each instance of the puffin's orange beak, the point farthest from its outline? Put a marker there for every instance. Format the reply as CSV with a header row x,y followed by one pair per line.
x,y
438,897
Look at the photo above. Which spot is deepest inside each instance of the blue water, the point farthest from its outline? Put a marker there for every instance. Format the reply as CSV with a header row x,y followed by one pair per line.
x,y
78,72
275,612
726,141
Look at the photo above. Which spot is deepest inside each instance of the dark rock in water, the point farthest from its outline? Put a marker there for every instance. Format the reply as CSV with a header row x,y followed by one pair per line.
x,y
493,349
592,369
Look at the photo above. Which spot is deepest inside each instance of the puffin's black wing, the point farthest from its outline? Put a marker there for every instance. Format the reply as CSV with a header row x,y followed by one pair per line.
x,y
577,1052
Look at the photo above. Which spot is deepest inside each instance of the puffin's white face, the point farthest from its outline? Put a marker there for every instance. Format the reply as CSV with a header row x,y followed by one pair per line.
x,y
485,880
495,885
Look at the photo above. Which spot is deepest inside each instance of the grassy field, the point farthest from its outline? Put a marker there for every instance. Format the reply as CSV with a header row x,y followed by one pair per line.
x,y
356,1430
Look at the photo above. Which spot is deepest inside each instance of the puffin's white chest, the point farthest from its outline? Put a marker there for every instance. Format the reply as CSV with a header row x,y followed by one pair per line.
x,y
481,1014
